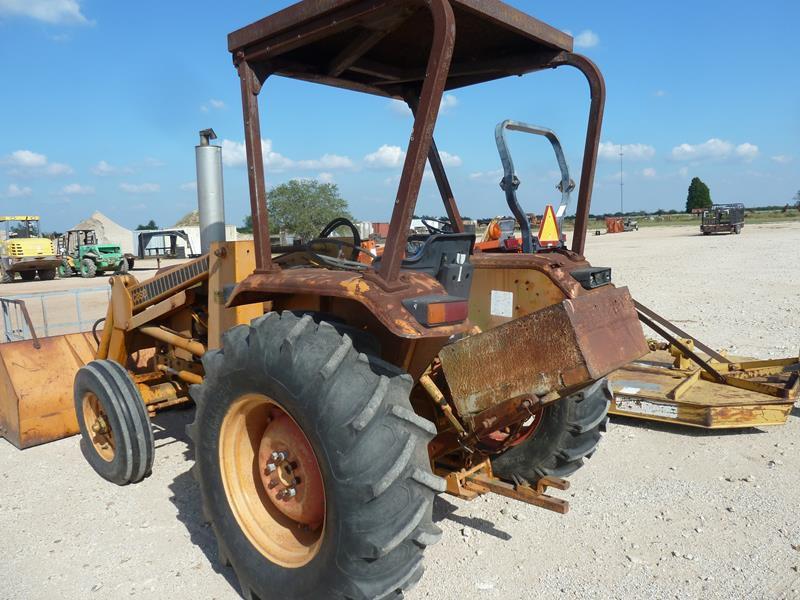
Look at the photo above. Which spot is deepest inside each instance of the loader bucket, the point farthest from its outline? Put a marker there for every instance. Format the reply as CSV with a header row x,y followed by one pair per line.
x,y
36,404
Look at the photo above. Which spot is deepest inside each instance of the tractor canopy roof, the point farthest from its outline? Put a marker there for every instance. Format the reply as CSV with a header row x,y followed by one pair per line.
x,y
382,47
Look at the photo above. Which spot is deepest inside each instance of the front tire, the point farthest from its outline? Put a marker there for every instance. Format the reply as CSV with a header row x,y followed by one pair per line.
x,y
569,432
117,439
88,268
47,274
27,275
369,446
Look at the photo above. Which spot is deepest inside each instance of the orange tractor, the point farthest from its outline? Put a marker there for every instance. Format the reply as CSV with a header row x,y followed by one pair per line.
x,y
336,397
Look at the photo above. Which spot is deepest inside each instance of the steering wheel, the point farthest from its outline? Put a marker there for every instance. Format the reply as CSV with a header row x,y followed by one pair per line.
x,y
342,222
444,225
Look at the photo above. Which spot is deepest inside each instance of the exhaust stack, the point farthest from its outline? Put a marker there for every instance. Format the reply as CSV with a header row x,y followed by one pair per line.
x,y
210,196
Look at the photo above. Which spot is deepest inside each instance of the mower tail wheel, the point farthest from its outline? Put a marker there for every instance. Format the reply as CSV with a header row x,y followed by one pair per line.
x,y
313,467
117,439
569,432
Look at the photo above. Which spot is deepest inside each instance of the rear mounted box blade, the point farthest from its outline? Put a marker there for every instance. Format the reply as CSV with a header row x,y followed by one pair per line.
x,y
561,347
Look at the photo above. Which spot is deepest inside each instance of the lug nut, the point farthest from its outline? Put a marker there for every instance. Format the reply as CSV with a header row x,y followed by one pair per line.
x,y
279,456
271,467
290,493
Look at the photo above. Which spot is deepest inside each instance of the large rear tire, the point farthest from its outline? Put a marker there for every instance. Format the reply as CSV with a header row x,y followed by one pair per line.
x,y
47,274
27,275
117,439
368,446
568,433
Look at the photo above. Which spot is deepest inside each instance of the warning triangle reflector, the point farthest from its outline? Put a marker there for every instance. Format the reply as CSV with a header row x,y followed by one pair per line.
x,y
549,236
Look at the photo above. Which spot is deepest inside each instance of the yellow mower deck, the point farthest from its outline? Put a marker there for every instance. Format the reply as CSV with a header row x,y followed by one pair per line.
x,y
677,383
653,389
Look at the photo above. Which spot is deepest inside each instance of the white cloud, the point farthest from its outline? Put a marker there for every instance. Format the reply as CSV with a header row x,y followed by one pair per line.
x,y
450,160
140,188
104,169
26,163
746,151
683,171
610,150
189,186
234,154
56,12
325,177
648,172
328,161
212,103
659,93
153,162
26,158
587,39
781,159
15,191
448,103
487,176
386,157
76,189
715,149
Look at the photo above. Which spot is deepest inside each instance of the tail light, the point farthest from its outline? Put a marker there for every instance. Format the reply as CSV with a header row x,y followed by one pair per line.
x,y
438,310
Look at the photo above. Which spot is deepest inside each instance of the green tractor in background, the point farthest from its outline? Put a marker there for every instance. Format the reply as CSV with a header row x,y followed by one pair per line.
x,y
83,255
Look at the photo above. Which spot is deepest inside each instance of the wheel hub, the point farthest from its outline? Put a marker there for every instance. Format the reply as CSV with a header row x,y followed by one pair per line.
x,y
290,473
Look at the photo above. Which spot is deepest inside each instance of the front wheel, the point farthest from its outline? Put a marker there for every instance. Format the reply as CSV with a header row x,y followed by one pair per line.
x,y
312,466
88,268
47,274
27,275
569,431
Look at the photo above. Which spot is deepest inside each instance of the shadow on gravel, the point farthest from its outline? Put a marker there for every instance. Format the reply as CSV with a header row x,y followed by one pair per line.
x,y
169,427
442,509
795,412
684,430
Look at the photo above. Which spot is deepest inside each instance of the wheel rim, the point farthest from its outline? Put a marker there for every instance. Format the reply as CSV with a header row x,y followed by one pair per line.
x,y
97,425
509,437
263,455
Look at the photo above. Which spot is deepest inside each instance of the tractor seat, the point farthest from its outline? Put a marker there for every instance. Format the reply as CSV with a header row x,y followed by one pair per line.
x,y
444,256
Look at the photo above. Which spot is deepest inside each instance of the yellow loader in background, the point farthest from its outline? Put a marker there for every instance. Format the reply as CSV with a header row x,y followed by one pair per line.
x,y
24,251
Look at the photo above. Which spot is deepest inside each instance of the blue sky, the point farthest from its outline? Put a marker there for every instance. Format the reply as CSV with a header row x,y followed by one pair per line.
x,y
102,102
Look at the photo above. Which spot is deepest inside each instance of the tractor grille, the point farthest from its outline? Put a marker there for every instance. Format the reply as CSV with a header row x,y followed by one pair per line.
x,y
169,282
15,250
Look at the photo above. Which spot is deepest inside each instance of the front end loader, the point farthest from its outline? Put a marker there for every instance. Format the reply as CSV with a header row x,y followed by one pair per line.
x,y
337,394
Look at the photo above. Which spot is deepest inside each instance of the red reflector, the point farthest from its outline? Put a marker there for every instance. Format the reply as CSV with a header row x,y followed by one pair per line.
x,y
512,243
447,312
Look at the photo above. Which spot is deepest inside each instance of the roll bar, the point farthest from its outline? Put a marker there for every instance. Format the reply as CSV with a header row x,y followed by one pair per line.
x,y
511,182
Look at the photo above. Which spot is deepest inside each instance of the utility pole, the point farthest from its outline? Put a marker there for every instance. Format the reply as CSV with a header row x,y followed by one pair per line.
x,y
621,204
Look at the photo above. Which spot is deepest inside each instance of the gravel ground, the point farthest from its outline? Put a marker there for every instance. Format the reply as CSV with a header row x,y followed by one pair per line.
x,y
659,512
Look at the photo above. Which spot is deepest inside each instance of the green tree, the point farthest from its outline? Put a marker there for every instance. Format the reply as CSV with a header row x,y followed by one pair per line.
x,y
304,207
151,224
248,225
699,195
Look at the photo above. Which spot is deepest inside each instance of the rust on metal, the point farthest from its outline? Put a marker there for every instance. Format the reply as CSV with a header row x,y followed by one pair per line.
x,y
577,341
413,51
386,306
469,483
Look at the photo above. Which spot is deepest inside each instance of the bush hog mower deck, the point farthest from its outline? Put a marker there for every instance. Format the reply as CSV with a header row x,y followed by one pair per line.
x,y
335,398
